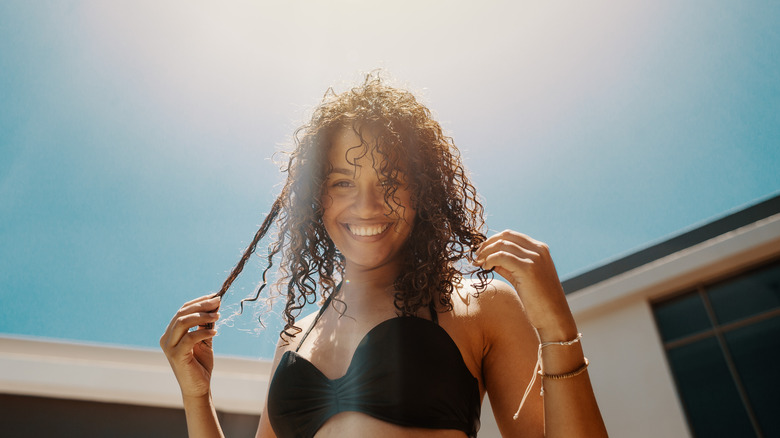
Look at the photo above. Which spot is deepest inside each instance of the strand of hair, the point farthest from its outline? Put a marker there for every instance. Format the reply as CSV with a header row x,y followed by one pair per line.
x,y
261,232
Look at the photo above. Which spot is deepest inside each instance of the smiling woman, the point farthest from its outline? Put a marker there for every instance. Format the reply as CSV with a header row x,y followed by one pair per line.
x,y
378,215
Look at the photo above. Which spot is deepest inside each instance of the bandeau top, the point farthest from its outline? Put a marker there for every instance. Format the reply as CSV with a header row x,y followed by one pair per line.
x,y
406,371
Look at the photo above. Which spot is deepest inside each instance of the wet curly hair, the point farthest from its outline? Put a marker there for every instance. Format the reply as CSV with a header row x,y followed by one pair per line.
x,y
449,216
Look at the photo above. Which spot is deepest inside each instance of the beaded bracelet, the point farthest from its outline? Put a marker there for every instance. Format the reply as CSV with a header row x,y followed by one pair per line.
x,y
568,375
538,369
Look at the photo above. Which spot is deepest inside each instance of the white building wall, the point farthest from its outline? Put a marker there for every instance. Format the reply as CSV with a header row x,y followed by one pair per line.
x,y
630,376
48,368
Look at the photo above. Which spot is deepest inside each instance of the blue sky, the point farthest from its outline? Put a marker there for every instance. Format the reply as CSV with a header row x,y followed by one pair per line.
x,y
136,137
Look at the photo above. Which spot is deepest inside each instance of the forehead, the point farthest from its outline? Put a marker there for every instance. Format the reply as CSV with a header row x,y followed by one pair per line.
x,y
346,146
348,150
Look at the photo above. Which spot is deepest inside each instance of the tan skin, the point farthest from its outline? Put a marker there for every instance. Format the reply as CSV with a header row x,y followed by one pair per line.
x,y
496,332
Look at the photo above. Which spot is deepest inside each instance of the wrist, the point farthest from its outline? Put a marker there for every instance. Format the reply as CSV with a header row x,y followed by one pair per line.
x,y
196,400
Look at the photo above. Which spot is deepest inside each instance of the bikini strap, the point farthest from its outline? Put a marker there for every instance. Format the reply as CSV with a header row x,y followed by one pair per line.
x,y
317,318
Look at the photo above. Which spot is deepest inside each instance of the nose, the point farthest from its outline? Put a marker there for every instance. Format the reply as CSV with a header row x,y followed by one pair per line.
x,y
369,201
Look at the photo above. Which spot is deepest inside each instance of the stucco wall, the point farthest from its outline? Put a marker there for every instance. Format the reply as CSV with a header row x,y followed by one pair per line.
x,y
630,376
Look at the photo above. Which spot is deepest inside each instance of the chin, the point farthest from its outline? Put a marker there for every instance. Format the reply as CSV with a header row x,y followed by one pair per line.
x,y
369,261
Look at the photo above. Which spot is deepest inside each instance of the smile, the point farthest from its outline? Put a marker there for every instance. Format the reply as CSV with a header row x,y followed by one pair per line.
x,y
367,230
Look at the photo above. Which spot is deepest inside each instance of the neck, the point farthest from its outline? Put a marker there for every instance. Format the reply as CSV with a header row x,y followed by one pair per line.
x,y
374,285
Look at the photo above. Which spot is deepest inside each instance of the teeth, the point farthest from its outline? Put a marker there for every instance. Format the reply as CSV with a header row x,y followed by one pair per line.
x,y
371,230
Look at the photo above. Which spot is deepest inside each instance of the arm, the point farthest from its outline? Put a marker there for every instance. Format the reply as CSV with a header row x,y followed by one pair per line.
x,y
570,407
192,359
264,429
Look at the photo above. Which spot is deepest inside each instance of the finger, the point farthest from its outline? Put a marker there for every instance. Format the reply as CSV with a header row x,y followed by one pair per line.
x,y
525,241
505,246
507,260
206,303
191,339
199,299
518,238
183,324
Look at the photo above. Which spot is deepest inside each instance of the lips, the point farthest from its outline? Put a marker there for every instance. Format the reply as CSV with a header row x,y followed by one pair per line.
x,y
367,230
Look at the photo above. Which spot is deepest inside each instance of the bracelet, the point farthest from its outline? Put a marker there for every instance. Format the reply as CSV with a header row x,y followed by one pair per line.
x,y
538,369
564,343
568,375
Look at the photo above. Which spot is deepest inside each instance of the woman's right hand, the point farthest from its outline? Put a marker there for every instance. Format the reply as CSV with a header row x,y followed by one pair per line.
x,y
189,352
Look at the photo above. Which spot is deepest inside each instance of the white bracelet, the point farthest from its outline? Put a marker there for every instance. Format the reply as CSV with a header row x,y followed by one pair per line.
x,y
564,343
538,368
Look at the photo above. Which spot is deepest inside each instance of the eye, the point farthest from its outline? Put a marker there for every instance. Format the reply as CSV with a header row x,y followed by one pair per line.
x,y
342,184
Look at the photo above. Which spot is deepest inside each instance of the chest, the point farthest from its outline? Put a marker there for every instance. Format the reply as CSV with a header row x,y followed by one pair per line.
x,y
333,345
404,371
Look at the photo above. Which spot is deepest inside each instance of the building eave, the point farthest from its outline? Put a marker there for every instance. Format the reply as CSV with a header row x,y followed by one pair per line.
x,y
61,369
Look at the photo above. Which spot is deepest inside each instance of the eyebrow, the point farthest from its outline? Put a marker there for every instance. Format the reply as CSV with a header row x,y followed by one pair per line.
x,y
350,172
343,171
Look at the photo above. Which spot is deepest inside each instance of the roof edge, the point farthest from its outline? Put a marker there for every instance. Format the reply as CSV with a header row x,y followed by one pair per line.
x,y
746,216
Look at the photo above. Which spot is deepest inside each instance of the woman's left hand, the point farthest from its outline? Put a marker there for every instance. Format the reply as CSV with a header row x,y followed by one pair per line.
x,y
527,265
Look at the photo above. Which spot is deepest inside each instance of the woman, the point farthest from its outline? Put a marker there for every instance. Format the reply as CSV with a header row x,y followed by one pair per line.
x,y
379,219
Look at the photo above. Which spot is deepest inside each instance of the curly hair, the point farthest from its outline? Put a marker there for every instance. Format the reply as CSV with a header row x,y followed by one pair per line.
x,y
449,216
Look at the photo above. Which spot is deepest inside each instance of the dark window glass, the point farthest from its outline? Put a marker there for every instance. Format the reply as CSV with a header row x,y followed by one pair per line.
x,y
681,316
755,350
723,346
708,392
747,295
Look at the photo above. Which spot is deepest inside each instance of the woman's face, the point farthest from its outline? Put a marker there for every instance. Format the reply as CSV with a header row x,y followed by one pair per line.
x,y
365,229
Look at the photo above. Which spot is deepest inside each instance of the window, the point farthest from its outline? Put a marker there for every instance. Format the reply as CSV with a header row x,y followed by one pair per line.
x,y
722,342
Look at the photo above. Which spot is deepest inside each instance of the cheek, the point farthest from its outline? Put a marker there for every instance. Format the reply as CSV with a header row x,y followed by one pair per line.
x,y
326,201
410,217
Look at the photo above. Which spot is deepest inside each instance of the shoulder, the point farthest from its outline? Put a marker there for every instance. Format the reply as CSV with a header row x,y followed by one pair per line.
x,y
488,305
303,324
284,344
496,312
496,295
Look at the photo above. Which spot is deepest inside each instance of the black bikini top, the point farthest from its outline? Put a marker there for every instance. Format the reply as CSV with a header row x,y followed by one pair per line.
x,y
406,371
